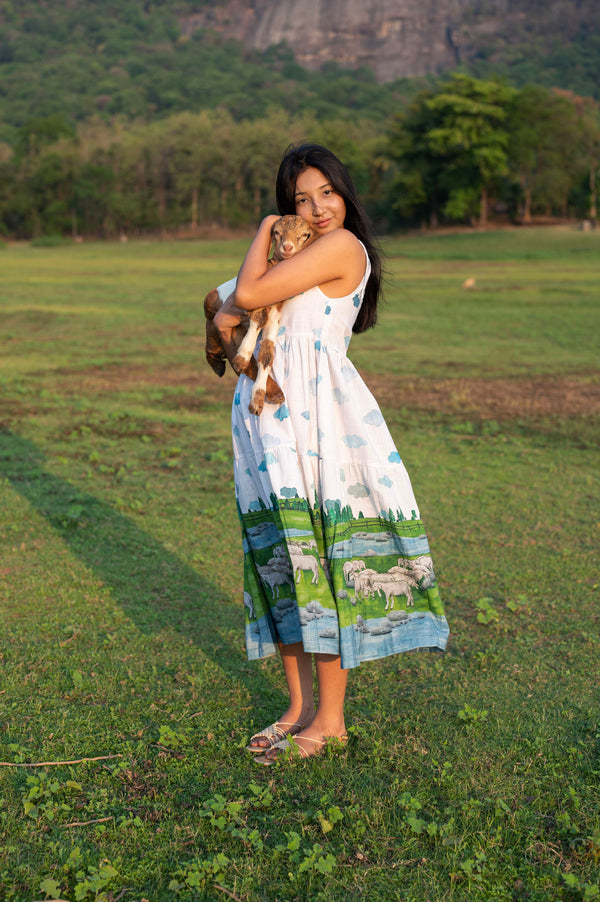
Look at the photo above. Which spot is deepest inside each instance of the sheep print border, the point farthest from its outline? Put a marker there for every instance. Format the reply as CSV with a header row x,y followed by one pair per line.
x,y
340,583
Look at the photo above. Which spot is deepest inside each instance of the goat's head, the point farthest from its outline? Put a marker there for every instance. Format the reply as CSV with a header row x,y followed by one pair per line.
x,y
289,235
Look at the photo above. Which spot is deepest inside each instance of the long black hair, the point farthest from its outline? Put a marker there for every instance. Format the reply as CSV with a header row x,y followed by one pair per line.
x,y
295,161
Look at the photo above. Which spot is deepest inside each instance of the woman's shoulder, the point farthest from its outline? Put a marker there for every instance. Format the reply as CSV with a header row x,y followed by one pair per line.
x,y
342,239
342,244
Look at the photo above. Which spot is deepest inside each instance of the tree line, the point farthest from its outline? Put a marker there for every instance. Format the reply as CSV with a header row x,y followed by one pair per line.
x,y
464,150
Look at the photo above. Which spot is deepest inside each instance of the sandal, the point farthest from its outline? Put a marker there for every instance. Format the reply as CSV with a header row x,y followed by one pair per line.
x,y
273,734
278,749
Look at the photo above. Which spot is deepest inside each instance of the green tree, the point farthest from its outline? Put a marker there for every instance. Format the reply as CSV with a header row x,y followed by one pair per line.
x,y
193,154
450,148
542,148
51,185
587,137
39,133
416,188
92,198
470,140
590,151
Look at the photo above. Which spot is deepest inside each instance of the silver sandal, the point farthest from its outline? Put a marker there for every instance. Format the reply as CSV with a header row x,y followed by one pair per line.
x,y
278,749
273,734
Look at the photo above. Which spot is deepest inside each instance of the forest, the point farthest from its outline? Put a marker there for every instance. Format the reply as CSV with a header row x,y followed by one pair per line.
x,y
114,123
466,150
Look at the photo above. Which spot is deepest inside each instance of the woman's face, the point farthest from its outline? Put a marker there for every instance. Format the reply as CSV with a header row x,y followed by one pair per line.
x,y
318,203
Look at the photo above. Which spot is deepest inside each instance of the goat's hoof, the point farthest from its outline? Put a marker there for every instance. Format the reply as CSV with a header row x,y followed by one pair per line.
x,y
257,402
240,364
217,364
275,396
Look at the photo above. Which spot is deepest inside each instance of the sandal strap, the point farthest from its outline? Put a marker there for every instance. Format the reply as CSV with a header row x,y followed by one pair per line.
x,y
285,744
318,742
273,733
324,740
272,754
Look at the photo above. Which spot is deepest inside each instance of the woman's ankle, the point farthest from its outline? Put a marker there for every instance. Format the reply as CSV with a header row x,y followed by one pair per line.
x,y
301,715
321,725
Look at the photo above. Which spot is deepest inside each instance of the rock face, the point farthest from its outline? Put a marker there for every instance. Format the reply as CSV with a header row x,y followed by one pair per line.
x,y
395,38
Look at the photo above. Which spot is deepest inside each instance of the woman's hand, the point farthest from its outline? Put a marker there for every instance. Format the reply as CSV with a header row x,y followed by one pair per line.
x,y
269,221
226,319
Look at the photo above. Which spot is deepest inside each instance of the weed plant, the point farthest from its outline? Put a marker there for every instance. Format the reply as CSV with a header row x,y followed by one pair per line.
x,y
469,776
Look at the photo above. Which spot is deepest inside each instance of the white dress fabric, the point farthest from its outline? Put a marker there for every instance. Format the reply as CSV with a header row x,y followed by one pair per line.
x,y
335,553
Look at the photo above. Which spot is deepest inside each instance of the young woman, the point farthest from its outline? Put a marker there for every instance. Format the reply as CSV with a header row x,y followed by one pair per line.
x,y
336,560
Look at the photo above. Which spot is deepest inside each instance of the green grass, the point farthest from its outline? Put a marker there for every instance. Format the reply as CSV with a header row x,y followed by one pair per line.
x,y
472,776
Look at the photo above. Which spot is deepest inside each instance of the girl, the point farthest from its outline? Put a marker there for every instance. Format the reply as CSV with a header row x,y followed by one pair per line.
x,y
336,560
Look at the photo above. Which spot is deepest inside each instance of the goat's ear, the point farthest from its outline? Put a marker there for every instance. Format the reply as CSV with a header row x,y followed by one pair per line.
x,y
273,227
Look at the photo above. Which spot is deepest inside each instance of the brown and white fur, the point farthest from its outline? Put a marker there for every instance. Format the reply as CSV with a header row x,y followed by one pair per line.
x,y
289,235
215,353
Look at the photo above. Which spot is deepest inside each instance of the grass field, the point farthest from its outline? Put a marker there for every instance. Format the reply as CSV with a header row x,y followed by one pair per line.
x,y
472,776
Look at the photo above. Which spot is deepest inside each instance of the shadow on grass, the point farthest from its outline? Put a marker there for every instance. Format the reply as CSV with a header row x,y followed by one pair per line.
x,y
150,583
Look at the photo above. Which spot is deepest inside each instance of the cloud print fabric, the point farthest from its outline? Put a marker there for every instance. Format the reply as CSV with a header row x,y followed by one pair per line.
x,y
335,553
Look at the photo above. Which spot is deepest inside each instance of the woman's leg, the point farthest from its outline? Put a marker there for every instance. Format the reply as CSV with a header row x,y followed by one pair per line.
x,y
332,681
329,718
297,666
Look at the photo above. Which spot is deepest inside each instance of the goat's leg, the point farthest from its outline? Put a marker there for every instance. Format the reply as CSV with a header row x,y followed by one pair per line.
x,y
216,358
212,303
246,349
266,355
215,353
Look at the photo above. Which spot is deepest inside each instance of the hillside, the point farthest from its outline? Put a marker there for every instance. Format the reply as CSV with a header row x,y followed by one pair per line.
x,y
115,60
407,38
329,57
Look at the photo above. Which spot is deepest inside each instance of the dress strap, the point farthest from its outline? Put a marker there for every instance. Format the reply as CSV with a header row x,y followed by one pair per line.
x,y
365,278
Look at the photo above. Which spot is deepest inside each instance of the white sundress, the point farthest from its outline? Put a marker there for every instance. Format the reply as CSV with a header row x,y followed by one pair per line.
x,y
335,553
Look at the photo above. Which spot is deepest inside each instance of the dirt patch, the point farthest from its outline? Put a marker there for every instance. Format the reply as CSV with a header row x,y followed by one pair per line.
x,y
498,399
135,377
97,379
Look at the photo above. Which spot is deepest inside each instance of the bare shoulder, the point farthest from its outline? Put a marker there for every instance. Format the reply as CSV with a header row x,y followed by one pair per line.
x,y
342,240
342,245
346,256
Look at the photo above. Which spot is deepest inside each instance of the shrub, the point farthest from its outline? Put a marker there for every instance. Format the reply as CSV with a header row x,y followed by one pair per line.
x,y
47,241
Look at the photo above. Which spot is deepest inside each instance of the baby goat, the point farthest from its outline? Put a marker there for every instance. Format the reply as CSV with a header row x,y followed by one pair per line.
x,y
289,234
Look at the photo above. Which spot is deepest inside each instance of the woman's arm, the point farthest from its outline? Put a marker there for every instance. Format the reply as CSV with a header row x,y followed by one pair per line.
x,y
335,260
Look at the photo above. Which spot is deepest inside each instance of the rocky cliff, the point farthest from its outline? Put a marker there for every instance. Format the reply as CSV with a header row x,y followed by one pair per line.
x,y
395,37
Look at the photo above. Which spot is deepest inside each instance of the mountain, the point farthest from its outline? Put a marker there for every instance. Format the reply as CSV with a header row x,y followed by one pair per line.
x,y
328,58
408,38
